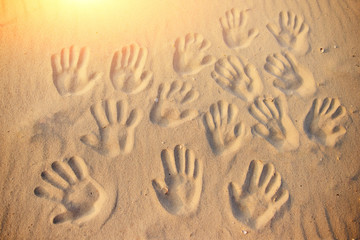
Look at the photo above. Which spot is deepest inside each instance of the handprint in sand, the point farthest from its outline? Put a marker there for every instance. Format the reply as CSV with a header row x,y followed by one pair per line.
x,y
70,74
322,123
116,127
190,55
292,33
275,124
261,196
169,108
69,184
181,191
291,77
235,33
127,69
224,132
236,75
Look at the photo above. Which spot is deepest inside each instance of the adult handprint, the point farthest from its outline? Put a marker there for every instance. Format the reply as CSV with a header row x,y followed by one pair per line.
x,y
127,69
70,71
72,187
274,123
116,127
189,56
291,77
322,123
260,198
239,77
293,32
168,108
181,191
234,32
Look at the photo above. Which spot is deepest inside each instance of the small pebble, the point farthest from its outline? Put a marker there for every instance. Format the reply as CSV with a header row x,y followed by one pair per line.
x,y
322,50
244,232
156,100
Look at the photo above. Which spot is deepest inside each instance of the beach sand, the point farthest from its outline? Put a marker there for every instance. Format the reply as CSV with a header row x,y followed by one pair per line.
x,y
183,120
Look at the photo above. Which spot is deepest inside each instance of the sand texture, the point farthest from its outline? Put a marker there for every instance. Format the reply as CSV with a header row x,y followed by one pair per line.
x,y
186,119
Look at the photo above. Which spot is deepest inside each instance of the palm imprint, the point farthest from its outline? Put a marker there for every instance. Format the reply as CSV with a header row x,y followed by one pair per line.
x,y
293,32
234,32
260,197
291,77
181,191
322,123
168,108
73,188
127,69
225,134
70,75
190,54
116,127
236,75
274,123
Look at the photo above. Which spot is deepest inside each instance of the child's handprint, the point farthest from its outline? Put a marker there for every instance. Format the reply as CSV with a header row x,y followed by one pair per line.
x,y
190,54
275,124
234,32
260,198
168,109
181,191
322,123
70,71
116,127
72,187
239,77
291,77
127,69
293,32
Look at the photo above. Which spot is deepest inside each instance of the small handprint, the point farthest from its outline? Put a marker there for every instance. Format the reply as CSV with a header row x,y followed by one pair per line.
x,y
239,77
225,134
117,129
167,110
322,123
181,191
234,32
70,71
127,69
291,77
293,32
72,187
260,197
189,56
274,123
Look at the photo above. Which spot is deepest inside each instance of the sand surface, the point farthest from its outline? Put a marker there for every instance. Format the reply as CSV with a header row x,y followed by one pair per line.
x,y
179,119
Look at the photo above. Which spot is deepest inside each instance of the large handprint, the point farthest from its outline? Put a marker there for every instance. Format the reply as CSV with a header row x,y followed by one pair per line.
x,y
117,128
274,123
70,75
224,132
127,69
322,123
189,56
260,198
293,32
291,77
168,108
239,77
181,191
72,187
234,32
